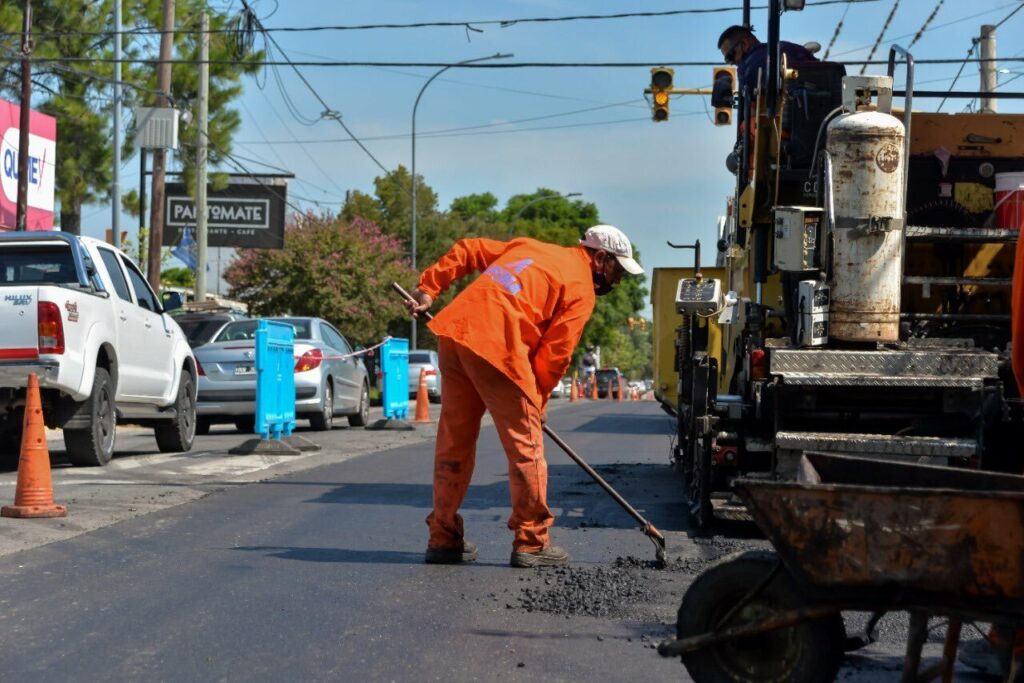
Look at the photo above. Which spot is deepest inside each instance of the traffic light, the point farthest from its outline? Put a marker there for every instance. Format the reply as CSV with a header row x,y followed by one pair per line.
x,y
723,90
661,87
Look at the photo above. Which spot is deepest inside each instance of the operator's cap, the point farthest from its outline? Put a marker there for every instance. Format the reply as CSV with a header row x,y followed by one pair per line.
x,y
615,242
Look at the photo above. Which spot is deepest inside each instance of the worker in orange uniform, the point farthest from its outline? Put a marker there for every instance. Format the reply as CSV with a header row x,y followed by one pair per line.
x,y
503,344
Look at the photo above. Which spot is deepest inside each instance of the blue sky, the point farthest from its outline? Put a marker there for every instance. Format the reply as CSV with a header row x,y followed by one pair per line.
x,y
654,181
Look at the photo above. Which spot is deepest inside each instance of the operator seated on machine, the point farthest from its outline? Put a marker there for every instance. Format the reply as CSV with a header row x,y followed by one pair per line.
x,y
740,47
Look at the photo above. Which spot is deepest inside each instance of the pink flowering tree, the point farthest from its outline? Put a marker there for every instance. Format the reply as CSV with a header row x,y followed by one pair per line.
x,y
331,268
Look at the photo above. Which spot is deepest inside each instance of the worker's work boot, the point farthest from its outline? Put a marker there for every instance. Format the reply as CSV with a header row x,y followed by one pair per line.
x,y
468,553
551,556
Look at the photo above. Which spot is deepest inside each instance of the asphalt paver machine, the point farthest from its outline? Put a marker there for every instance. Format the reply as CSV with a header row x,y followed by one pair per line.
x,y
864,301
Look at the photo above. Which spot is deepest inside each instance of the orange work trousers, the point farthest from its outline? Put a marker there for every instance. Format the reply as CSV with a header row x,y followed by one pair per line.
x,y
471,385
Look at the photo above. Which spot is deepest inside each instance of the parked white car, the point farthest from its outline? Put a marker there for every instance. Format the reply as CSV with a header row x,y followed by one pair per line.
x,y
80,315
420,359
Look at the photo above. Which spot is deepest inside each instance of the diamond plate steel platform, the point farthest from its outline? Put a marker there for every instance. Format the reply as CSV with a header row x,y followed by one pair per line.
x,y
877,444
886,368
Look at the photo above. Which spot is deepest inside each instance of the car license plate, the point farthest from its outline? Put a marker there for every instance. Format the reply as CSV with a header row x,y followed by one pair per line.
x,y
245,370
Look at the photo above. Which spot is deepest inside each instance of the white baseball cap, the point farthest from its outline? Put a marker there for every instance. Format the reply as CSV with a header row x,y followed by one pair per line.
x,y
615,242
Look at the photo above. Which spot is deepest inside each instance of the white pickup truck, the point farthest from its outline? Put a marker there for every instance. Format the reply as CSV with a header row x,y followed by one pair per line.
x,y
80,315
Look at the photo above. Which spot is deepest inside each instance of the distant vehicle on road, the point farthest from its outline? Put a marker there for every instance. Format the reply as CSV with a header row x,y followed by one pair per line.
x,y
608,378
420,359
80,315
327,382
561,389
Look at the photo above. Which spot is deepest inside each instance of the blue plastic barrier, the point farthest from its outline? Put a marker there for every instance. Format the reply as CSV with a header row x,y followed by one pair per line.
x,y
275,379
394,366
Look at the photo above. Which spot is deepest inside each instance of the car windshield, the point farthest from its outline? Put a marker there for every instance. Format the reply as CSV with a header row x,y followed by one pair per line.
x,y
605,375
420,357
245,330
200,331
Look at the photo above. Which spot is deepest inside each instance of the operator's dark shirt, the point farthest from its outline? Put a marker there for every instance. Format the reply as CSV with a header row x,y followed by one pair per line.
x,y
757,58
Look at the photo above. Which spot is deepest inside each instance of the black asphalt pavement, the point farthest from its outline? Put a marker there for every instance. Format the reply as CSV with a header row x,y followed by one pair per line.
x,y
318,574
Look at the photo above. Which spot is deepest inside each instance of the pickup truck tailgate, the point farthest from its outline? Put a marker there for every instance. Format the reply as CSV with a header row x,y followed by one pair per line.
x,y
18,326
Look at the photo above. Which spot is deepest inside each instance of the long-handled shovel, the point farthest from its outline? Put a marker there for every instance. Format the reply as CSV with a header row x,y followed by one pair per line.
x,y
649,529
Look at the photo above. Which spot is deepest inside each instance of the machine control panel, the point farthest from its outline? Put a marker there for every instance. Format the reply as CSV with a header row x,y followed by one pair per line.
x,y
700,297
812,302
797,229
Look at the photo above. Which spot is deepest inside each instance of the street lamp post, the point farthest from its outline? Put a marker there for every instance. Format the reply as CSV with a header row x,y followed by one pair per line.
x,y
412,336
534,201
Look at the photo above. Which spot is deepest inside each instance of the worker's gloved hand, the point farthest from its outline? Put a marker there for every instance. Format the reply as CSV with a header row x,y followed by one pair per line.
x,y
423,303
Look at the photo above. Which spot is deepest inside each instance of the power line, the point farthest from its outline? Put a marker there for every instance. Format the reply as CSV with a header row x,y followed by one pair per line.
x,y
327,113
835,35
924,27
503,23
935,28
484,65
885,27
974,46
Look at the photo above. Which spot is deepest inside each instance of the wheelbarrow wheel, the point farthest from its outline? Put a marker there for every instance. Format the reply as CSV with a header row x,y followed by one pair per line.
x,y
807,652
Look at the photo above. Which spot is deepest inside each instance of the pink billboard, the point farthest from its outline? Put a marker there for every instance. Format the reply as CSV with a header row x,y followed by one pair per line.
x,y
42,150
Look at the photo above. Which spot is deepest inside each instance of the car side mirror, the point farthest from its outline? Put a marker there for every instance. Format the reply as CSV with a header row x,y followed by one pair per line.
x,y
171,300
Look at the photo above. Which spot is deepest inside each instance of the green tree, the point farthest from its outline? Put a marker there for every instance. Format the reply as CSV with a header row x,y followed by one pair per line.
x,y
78,95
476,206
177,277
338,270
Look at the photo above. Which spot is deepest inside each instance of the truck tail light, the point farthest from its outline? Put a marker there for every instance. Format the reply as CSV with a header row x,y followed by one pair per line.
x,y
50,327
199,368
310,360
758,364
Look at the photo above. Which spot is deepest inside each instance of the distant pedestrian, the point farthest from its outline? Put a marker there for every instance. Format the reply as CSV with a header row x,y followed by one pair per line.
x,y
504,343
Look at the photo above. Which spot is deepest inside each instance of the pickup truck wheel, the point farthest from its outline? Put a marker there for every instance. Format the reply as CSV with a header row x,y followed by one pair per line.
x,y
94,445
177,434
324,420
363,416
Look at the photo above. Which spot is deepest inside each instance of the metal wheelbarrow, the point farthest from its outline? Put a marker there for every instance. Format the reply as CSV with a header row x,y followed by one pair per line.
x,y
863,535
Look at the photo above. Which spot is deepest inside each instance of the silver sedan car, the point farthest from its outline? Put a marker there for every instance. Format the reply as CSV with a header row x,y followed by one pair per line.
x,y
328,382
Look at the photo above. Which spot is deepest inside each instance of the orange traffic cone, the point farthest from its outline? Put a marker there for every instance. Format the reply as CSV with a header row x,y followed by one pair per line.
x,y
422,400
572,391
593,389
34,495
621,389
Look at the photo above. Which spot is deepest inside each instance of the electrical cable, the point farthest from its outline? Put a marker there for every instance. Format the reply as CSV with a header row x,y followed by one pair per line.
x,y
974,46
924,27
481,65
878,41
327,112
503,23
835,35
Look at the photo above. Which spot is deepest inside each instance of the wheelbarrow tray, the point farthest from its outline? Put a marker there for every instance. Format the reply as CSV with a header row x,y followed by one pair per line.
x,y
913,534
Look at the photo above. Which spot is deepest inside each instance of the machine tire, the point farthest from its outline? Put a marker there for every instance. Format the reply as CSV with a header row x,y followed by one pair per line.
x,y
702,512
177,435
94,445
807,652
323,420
360,418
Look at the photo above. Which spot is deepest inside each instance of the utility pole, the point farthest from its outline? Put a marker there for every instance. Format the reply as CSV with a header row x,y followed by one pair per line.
x,y
21,216
201,152
115,187
156,213
988,68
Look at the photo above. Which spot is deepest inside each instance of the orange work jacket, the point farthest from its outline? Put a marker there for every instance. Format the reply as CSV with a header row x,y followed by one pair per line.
x,y
524,314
